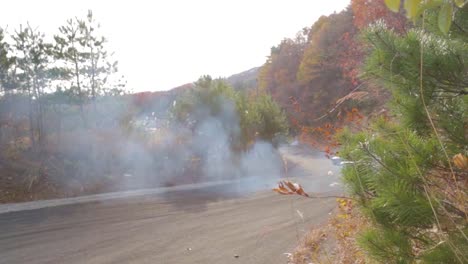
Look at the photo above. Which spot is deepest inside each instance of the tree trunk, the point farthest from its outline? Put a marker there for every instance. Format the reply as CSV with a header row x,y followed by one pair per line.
x,y
80,93
31,120
39,118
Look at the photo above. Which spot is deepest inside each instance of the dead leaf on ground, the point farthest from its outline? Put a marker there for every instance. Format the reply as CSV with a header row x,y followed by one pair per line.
x,y
287,187
460,161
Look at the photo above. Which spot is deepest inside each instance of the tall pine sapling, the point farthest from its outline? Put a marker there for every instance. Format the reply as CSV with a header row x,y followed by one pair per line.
x,y
401,176
32,60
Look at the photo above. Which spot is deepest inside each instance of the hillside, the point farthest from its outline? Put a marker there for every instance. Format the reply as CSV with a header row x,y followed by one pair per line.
x,y
160,101
244,80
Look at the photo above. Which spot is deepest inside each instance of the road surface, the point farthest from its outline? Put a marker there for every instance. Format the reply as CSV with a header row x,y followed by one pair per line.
x,y
205,224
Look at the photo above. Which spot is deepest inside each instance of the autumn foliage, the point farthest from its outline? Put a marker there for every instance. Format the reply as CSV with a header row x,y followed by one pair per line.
x,y
313,75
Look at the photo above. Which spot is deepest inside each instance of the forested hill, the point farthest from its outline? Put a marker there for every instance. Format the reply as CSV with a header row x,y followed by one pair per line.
x,y
161,100
244,80
308,74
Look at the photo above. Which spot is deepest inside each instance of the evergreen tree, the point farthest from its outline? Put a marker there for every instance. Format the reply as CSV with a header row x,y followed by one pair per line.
x,y
69,50
32,60
85,62
6,63
100,67
247,118
271,123
401,176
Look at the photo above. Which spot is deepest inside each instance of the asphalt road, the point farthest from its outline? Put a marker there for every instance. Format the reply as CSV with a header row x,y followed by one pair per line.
x,y
206,224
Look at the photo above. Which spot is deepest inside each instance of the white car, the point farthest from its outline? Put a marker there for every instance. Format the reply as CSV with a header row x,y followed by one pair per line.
x,y
337,161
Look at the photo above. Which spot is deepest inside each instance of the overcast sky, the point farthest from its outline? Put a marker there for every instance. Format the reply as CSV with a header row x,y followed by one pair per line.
x,y
164,44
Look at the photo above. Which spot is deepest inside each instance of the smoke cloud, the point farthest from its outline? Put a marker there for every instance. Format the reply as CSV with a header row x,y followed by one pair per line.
x,y
117,146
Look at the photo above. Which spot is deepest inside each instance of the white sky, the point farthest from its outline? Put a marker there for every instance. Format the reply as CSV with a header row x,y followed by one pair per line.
x,y
164,44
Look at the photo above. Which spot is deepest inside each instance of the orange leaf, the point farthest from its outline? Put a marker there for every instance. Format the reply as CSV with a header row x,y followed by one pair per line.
x,y
291,186
281,191
460,161
301,191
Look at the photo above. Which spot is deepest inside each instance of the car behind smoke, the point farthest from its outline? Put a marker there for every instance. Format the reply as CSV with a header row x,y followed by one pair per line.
x,y
338,161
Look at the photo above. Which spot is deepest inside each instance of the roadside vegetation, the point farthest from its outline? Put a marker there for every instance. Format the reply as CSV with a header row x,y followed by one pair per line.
x,y
315,76
257,116
408,178
70,126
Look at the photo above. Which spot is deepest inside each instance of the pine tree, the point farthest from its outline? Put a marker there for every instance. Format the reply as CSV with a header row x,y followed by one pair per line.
x,y
402,179
32,60
69,50
100,66
85,62
6,63
246,118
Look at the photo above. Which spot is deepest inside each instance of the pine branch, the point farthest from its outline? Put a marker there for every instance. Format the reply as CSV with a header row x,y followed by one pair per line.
x,y
379,161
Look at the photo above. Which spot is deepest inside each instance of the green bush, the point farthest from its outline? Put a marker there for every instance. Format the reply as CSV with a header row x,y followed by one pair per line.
x,y
246,117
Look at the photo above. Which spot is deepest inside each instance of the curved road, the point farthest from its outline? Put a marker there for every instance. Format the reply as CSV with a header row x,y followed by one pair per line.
x,y
200,224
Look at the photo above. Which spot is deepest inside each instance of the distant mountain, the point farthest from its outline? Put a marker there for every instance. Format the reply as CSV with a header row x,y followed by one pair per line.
x,y
244,80
158,102
161,101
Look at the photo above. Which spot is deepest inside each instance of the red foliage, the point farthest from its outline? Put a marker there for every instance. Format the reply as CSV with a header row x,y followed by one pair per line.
x,y
322,136
351,57
369,11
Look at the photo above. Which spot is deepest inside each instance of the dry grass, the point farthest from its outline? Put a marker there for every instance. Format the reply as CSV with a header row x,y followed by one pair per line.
x,y
334,242
313,248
